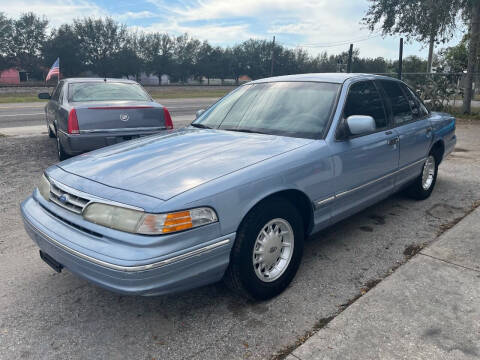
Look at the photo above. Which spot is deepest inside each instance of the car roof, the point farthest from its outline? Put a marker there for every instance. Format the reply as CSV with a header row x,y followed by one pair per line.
x,y
98,79
337,78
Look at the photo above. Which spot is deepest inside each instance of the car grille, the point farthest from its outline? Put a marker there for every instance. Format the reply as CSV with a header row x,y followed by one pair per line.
x,y
67,200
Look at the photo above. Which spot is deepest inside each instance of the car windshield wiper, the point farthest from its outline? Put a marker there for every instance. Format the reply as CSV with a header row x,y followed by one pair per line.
x,y
200,126
244,130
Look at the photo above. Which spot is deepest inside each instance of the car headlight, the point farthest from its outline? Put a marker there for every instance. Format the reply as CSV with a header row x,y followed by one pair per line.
x,y
114,217
135,221
44,187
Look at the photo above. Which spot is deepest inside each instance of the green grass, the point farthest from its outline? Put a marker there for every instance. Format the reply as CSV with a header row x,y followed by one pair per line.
x,y
19,98
158,95
475,115
177,94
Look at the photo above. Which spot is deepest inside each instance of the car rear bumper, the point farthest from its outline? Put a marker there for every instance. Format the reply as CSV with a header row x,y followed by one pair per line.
x,y
188,269
83,142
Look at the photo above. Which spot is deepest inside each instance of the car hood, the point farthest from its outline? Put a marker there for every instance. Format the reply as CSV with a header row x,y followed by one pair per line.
x,y
166,165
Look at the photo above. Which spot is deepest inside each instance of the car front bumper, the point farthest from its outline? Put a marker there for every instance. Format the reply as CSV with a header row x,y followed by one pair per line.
x,y
183,270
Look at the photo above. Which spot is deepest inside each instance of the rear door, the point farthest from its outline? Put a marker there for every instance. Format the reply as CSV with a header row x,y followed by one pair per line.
x,y
364,165
53,105
411,120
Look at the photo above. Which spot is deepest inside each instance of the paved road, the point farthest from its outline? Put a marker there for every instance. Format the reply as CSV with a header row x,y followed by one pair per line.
x,y
32,114
58,316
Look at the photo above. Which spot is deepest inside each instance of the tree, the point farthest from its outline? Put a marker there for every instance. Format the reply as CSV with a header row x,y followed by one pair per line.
x,y
62,43
6,35
100,42
28,37
431,21
474,12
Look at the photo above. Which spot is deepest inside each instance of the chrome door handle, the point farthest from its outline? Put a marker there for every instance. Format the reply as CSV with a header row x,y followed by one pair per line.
x,y
393,141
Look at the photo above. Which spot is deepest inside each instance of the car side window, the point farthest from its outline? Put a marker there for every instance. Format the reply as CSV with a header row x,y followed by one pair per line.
x,y
418,109
364,99
401,111
56,92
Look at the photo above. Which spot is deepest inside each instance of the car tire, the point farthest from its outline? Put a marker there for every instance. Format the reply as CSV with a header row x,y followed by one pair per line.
x,y
62,155
51,134
262,243
423,185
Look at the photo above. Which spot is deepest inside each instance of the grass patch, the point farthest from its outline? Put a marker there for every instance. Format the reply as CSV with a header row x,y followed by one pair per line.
x,y
156,94
178,94
19,98
475,115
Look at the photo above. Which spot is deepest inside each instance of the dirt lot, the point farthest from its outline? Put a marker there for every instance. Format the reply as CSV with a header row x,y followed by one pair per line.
x,y
59,316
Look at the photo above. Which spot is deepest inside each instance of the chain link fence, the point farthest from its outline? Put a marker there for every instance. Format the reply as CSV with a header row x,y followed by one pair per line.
x,y
440,91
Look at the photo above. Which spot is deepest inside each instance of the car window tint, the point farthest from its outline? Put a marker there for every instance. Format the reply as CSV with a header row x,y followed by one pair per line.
x,y
56,92
364,99
299,109
401,111
106,91
418,109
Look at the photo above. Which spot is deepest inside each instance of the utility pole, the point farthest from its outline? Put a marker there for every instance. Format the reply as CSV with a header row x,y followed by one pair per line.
x,y
400,59
273,56
350,54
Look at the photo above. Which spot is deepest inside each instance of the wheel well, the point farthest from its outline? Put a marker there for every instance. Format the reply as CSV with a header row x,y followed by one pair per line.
x,y
300,201
438,149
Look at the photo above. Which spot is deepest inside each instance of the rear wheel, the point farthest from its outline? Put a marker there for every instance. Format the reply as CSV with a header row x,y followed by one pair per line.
x,y
423,185
268,250
51,134
62,155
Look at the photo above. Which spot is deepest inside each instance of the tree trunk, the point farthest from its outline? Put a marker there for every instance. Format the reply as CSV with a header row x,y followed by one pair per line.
x,y
430,53
472,56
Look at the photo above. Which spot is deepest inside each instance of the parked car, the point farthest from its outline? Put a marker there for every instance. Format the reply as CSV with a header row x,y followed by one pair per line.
x,y
85,114
235,194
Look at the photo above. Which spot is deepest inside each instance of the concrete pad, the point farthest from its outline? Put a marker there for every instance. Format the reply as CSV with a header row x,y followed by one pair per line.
x,y
462,245
427,309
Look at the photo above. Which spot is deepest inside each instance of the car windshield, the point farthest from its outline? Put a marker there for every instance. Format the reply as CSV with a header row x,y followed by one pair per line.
x,y
106,91
298,109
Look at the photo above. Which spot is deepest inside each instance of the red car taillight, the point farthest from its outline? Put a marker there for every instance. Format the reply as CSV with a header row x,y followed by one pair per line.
x,y
168,119
73,122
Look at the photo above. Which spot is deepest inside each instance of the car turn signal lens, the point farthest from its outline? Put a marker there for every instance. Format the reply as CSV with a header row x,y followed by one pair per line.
x,y
177,221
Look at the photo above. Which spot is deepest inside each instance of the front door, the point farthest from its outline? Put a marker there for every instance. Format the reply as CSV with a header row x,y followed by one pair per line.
x,y
364,165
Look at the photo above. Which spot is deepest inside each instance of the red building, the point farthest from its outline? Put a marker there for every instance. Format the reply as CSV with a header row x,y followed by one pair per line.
x,y
10,76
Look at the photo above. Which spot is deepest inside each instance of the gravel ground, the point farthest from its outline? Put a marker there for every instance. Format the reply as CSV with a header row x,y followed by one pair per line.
x,y
59,316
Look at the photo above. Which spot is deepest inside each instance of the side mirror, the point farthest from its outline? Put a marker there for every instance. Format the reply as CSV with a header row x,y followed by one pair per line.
x,y
199,113
44,96
360,124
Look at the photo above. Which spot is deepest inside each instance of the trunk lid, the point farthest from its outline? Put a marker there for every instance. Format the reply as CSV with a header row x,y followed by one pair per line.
x,y
105,116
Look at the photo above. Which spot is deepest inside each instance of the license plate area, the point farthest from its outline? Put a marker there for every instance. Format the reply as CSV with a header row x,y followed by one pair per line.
x,y
54,264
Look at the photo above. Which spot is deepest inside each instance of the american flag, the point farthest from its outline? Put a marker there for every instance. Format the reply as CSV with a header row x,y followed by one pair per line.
x,y
54,70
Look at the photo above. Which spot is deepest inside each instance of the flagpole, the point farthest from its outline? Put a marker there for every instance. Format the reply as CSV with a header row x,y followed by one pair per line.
x,y
58,77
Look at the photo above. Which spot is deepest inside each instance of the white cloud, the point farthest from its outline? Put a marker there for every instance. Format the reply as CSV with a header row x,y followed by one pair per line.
x,y
134,15
57,11
317,25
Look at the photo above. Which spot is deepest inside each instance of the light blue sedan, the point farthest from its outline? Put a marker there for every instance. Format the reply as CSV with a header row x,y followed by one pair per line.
x,y
234,195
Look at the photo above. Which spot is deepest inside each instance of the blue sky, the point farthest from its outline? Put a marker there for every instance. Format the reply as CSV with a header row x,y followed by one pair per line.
x,y
316,25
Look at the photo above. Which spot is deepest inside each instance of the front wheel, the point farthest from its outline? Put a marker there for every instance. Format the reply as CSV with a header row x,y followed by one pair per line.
x,y
423,185
268,250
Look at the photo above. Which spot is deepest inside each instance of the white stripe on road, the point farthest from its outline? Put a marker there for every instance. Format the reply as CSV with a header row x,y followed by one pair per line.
x,y
23,114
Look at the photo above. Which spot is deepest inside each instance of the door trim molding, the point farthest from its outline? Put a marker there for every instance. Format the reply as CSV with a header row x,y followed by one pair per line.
x,y
320,203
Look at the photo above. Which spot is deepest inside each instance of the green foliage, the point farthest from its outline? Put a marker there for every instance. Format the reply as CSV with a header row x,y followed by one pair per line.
x,y
415,19
106,48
